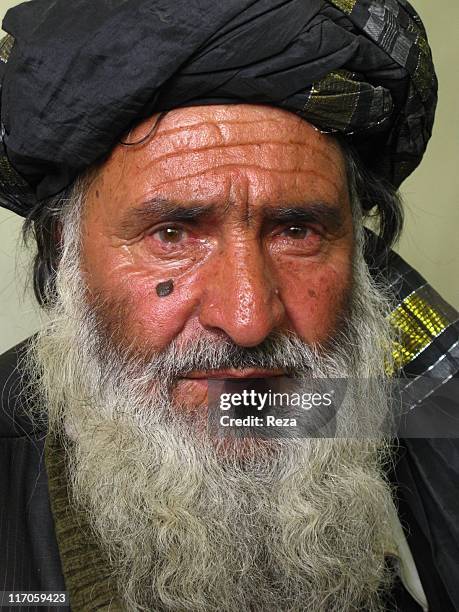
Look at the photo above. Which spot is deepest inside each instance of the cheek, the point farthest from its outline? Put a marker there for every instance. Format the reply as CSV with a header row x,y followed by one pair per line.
x,y
315,297
158,320
144,319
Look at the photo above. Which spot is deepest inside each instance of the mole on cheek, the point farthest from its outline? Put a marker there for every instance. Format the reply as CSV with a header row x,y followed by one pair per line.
x,y
97,193
164,288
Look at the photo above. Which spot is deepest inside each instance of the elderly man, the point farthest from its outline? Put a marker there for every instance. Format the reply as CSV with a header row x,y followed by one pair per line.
x,y
196,176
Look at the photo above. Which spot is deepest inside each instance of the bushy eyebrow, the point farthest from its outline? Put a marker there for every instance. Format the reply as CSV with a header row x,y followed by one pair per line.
x,y
315,212
158,210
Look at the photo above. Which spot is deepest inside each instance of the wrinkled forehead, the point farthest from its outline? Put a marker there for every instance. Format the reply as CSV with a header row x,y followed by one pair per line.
x,y
178,149
225,125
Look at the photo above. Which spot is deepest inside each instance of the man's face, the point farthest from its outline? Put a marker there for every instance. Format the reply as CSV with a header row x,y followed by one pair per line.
x,y
245,208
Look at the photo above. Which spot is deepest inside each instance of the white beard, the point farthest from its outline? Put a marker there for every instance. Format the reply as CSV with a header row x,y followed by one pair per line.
x,y
303,527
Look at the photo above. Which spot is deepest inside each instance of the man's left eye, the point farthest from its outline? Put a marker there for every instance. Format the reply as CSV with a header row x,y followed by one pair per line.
x,y
170,235
296,231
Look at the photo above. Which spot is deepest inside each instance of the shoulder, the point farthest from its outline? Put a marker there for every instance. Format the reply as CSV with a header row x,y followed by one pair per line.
x,y
14,393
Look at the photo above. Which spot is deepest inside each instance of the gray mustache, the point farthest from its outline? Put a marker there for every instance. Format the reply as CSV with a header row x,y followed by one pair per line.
x,y
278,351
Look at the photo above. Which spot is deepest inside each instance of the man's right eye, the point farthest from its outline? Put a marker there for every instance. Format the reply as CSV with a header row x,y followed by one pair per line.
x,y
170,234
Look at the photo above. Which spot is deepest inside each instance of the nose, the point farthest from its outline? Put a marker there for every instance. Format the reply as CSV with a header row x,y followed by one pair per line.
x,y
241,297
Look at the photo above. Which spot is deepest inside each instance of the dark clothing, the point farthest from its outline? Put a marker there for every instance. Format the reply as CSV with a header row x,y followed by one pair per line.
x,y
29,557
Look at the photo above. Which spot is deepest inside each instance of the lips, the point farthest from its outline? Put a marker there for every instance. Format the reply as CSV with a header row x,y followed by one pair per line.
x,y
234,373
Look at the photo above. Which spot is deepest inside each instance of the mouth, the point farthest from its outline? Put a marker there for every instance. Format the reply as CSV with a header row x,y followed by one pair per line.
x,y
234,373
193,388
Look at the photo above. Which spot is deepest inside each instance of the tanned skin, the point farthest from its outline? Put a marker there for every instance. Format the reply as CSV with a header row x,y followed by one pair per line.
x,y
245,208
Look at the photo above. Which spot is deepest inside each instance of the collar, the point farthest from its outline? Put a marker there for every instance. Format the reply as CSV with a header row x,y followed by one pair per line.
x,y
86,571
405,565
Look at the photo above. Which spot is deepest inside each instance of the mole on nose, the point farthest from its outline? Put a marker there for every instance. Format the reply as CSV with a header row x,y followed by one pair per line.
x,y
165,288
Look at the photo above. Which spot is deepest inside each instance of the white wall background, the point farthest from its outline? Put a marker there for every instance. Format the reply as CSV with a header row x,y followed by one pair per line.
x,y
431,237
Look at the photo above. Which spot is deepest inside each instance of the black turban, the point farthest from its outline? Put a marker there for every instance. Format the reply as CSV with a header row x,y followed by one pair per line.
x,y
77,75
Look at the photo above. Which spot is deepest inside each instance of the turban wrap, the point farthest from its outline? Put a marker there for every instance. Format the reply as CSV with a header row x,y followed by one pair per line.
x,y
76,76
